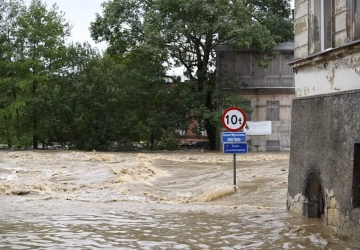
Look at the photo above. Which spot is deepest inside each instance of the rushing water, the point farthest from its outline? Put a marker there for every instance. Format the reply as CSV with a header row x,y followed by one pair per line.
x,y
184,200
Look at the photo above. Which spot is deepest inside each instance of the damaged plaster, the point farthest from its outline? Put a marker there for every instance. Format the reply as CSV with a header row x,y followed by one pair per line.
x,y
326,76
295,204
353,62
332,214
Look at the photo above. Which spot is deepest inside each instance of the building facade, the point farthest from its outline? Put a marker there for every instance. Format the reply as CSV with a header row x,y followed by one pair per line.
x,y
269,90
324,174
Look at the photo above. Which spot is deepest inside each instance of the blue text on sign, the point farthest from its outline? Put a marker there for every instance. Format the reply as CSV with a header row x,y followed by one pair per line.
x,y
235,148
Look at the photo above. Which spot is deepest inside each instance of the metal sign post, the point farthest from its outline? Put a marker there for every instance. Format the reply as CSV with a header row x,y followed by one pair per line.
x,y
235,173
234,119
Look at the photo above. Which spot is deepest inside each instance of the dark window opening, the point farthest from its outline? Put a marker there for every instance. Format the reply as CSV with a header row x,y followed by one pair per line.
x,y
314,203
272,145
356,176
356,19
328,24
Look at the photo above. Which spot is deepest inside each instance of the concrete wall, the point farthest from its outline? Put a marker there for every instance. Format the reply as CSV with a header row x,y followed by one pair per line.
x,y
324,130
325,118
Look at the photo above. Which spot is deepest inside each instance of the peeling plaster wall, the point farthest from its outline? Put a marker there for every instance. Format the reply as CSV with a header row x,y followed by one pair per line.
x,y
340,23
324,129
325,113
307,26
301,29
323,77
333,216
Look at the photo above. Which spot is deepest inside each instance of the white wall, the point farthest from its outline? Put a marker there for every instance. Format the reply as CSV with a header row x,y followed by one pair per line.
x,y
342,74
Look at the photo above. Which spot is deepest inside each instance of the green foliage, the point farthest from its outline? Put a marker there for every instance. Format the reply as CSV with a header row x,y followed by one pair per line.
x,y
38,74
186,33
35,52
51,91
123,100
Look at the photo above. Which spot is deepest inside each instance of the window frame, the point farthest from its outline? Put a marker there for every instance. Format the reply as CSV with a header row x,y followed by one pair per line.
x,y
354,22
273,145
321,10
270,110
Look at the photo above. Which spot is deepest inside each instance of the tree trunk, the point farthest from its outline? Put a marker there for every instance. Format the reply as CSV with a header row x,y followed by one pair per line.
x,y
7,132
35,122
211,133
210,127
152,139
35,142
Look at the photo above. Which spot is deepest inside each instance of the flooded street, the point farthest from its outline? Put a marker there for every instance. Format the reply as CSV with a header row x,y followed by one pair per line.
x,y
168,200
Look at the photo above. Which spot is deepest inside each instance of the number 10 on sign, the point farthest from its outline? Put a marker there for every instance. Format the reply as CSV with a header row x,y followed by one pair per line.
x,y
233,119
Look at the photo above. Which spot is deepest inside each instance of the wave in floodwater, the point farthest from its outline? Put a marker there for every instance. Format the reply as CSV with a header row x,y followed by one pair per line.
x,y
170,200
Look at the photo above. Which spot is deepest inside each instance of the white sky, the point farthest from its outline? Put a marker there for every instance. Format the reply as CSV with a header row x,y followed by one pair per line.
x,y
79,14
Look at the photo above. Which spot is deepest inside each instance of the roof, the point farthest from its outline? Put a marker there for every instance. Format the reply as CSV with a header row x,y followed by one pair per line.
x,y
285,46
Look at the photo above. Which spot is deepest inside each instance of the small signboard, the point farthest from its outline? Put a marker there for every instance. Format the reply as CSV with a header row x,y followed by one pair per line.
x,y
233,137
235,148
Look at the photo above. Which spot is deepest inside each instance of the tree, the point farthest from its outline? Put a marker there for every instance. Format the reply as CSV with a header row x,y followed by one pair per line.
x,y
188,32
39,51
123,100
10,104
58,100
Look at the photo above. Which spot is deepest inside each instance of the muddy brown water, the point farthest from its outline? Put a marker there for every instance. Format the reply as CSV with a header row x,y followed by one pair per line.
x,y
168,200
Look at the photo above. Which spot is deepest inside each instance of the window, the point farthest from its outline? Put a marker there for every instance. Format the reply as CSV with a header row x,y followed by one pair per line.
x,y
356,176
321,25
273,111
272,145
356,19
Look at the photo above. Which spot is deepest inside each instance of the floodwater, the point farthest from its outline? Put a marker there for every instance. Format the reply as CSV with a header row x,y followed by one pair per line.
x,y
167,200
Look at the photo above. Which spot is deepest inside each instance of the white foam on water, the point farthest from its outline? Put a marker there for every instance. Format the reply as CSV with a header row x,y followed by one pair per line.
x,y
217,192
137,170
8,177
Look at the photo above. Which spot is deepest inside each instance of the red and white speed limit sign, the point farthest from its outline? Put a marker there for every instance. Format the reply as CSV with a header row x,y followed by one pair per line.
x,y
233,119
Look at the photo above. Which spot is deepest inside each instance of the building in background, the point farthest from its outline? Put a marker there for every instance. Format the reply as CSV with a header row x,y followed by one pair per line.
x,y
324,174
270,91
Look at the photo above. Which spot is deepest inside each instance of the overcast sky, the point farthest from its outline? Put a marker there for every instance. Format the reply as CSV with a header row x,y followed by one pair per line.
x,y
79,13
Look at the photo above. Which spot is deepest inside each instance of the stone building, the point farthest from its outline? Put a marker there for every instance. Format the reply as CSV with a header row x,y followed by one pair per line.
x,y
324,174
270,92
